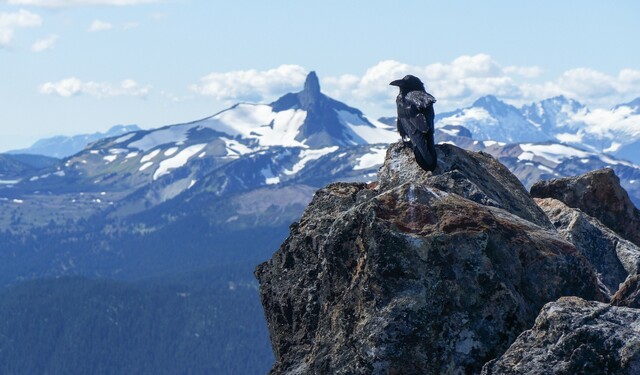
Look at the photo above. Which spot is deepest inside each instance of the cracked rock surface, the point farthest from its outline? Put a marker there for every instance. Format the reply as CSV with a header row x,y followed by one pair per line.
x,y
421,273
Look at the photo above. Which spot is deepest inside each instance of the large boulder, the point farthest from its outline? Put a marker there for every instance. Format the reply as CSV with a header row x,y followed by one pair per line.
x,y
597,194
415,276
613,257
474,175
574,336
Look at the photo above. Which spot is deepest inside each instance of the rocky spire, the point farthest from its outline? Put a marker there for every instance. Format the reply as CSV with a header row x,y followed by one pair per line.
x,y
311,94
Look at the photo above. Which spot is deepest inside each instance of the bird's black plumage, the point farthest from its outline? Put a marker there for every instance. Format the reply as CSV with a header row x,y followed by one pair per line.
x,y
415,120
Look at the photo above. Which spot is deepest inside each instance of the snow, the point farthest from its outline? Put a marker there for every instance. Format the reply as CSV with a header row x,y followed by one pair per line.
x,y
307,156
149,156
193,182
372,132
492,143
110,158
469,115
124,138
375,157
177,161
202,154
19,201
172,134
59,173
615,146
115,151
12,182
94,152
554,152
235,148
545,168
269,177
145,166
131,155
258,121
170,151
569,137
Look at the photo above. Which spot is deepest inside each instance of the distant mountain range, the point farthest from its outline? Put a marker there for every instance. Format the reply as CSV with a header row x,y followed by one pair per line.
x,y
62,146
561,120
221,192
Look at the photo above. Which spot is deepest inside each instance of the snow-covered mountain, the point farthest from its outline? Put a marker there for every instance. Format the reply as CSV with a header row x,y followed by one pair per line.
x,y
303,138
62,146
491,119
614,131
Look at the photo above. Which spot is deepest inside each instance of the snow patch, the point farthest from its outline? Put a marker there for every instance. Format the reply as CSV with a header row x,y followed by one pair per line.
x,y
177,161
110,158
307,156
170,151
145,166
375,157
124,138
149,156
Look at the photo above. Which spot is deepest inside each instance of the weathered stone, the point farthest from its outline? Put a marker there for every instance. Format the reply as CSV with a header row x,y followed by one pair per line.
x,y
474,175
597,194
629,293
574,336
408,278
613,257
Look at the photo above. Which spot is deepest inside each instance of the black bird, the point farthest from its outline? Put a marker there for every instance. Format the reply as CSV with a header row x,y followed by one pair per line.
x,y
415,120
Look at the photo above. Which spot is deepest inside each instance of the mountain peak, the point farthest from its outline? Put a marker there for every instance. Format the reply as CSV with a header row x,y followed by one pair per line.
x,y
487,100
312,84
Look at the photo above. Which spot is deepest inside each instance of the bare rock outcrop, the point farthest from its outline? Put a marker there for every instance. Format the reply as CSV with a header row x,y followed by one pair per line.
x,y
425,273
629,293
574,336
597,194
613,257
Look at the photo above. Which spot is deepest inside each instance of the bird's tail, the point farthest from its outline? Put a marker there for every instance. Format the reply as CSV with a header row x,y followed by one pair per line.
x,y
424,151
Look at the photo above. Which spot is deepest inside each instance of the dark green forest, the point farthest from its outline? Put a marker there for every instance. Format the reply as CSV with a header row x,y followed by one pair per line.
x,y
170,325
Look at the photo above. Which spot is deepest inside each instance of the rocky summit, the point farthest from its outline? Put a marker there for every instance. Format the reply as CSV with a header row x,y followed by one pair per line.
x,y
599,195
418,273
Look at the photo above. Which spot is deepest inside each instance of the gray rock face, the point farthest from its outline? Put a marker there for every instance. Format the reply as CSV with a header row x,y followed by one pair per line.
x,y
412,277
475,176
574,336
597,194
613,257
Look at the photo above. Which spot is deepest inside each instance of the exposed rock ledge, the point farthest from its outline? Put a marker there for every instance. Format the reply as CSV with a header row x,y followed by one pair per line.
x,y
425,273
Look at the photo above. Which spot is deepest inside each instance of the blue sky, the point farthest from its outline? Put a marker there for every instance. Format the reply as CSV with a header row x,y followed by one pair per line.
x,y
78,66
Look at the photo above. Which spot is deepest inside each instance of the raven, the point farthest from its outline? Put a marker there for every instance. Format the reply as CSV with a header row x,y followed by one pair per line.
x,y
415,120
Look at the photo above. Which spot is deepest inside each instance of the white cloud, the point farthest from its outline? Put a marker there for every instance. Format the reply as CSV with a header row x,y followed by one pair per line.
x,y
455,84
74,87
98,25
45,43
461,81
11,21
251,85
75,3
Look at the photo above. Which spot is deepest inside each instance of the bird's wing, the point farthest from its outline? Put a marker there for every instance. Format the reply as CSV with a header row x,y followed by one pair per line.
x,y
421,108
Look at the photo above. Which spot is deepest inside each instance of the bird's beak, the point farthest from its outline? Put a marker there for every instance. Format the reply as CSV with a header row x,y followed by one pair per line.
x,y
397,82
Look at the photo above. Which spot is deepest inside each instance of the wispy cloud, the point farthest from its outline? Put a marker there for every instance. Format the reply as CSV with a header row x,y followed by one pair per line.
x,y
9,22
45,43
98,25
77,3
251,84
73,86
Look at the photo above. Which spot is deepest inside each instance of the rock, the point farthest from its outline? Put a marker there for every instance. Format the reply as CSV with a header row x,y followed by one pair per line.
x,y
613,257
407,278
629,293
574,336
597,194
474,175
